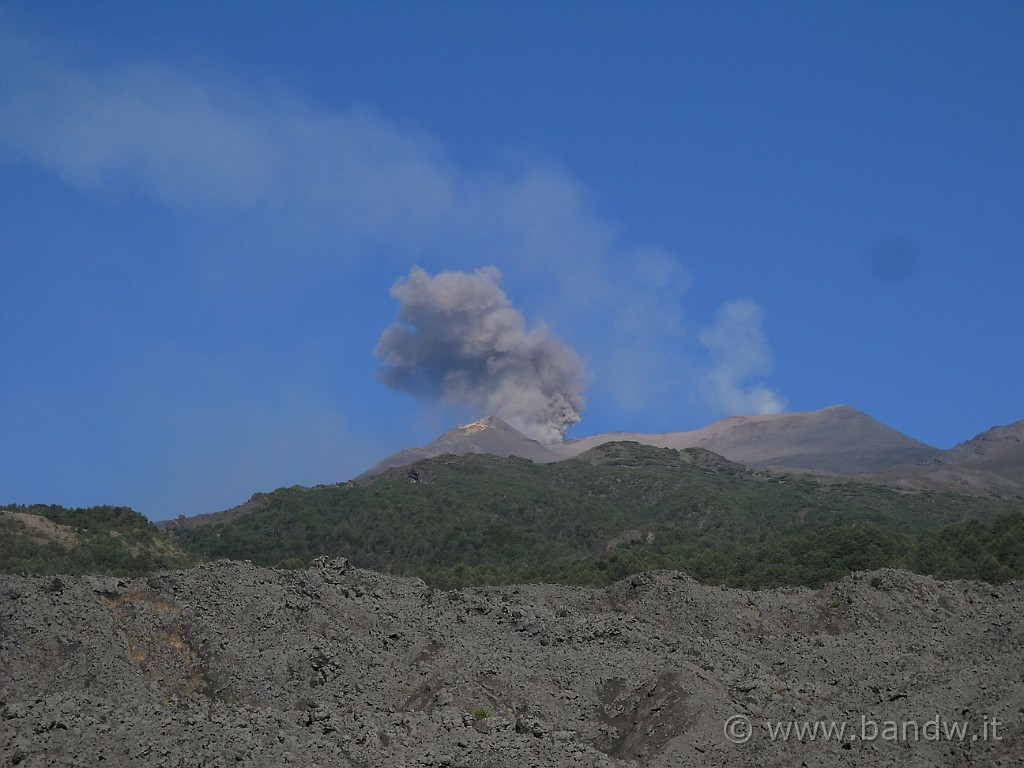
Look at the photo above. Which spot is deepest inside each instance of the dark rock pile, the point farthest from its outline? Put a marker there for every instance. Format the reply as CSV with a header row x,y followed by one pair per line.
x,y
230,664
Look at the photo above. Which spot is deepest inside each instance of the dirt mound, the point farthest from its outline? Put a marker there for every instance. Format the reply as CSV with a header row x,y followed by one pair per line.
x,y
230,664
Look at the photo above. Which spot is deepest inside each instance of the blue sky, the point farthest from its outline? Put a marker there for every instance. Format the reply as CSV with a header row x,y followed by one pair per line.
x,y
721,207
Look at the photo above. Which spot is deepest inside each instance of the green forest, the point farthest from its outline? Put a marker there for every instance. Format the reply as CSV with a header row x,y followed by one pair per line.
x,y
616,510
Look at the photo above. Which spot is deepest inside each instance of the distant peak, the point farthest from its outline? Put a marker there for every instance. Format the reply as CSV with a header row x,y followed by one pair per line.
x,y
840,409
842,412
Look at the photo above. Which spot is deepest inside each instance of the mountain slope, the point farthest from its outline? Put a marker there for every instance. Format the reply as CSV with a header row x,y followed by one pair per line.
x,y
1000,450
50,539
490,435
614,510
838,440
992,462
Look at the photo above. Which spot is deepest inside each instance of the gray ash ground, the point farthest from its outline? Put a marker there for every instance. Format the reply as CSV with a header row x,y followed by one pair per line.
x,y
229,664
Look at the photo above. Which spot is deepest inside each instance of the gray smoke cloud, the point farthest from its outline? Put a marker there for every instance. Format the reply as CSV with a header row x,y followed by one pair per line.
x,y
459,339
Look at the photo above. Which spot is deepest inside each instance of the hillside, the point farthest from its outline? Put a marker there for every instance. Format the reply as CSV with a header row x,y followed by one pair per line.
x,y
839,440
490,435
50,539
232,664
992,461
614,510
998,448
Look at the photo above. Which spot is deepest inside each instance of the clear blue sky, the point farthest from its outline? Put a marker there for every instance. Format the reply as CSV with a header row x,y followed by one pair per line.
x,y
722,207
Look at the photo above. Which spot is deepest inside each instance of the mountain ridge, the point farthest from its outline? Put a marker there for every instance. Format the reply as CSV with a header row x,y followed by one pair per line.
x,y
460,520
838,439
992,461
834,441
488,435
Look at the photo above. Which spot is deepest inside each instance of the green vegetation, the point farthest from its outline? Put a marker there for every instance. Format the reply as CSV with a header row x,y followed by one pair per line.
x,y
481,713
617,510
49,539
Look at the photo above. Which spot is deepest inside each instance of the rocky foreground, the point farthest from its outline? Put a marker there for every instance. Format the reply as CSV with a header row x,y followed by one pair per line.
x,y
230,664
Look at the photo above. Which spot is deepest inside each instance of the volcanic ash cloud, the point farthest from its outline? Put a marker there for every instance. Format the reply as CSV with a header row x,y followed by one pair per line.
x,y
460,340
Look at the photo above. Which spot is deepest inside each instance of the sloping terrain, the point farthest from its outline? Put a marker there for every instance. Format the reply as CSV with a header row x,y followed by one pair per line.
x,y
47,538
617,509
839,439
232,664
38,528
998,449
992,462
490,435
255,501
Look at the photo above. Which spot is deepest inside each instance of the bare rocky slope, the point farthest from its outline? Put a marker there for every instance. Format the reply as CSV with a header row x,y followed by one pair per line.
x,y
838,439
489,435
231,664
991,462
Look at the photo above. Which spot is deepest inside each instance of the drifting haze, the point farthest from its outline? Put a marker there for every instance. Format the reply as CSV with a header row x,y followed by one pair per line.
x,y
739,351
277,217
459,339
282,193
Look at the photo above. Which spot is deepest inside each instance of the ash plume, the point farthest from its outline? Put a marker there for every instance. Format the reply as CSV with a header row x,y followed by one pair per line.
x,y
459,339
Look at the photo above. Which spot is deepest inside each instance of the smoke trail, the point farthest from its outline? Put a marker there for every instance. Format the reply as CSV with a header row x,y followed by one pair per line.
x,y
739,351
459,339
